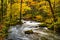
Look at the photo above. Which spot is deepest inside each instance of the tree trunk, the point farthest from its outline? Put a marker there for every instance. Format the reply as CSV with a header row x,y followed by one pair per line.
x,y
1,10
52,10
20,12
54,18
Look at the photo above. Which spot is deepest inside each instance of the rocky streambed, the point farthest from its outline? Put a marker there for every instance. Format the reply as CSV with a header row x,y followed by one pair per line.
x,y
29,31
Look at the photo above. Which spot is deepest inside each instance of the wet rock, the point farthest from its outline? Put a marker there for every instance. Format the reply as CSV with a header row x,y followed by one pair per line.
x,y
28,32
10,39
43,38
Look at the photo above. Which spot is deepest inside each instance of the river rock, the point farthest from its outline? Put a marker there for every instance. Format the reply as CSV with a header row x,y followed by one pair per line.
x,y
28,32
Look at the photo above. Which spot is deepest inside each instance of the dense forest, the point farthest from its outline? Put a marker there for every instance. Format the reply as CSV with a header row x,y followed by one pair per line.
x,y
44,11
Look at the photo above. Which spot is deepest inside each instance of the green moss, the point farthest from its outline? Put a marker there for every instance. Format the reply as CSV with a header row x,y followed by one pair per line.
x,y
43,25
55,26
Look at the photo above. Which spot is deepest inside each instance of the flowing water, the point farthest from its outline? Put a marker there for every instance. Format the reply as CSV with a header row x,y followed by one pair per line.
x,y
40,33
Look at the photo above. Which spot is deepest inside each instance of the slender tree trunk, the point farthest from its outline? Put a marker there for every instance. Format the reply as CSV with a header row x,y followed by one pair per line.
x,y
4,7
1,10
54,18
21,11
11,11
52,10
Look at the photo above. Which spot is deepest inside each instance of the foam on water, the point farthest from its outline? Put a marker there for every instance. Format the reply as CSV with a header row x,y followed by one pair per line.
x,y
17,32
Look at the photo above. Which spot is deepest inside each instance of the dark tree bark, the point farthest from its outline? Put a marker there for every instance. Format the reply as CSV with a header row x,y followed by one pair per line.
x,y
54,18
52,11
10,12
1,11
20,12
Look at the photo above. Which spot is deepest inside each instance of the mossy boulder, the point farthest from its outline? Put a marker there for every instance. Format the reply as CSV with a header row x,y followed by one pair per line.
x,y
43,25
55,26
51,27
